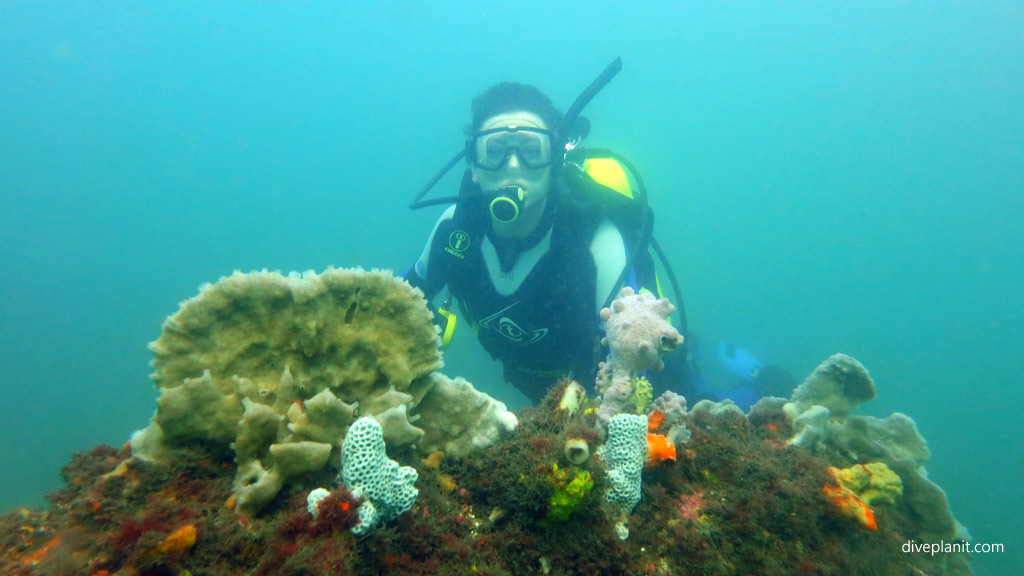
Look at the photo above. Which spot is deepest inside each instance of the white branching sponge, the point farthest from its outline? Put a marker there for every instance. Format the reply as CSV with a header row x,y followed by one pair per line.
x,y
637,333
388,489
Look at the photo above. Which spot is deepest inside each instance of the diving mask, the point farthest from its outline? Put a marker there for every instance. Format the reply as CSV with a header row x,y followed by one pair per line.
x,y
491,149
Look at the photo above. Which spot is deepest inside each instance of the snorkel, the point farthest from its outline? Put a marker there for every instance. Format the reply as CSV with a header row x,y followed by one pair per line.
x,y
569,133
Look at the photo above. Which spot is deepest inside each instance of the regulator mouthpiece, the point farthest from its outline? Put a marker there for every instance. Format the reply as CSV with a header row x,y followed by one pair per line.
x,y
506,204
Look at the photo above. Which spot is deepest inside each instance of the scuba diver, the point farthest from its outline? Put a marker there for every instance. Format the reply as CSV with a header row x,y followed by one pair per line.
x,y
542,235
753,379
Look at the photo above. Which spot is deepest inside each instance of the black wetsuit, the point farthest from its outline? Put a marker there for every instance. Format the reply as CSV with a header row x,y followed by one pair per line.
x,y
541,326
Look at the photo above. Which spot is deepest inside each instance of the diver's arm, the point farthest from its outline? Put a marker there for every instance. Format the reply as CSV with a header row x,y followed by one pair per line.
x,y
609,252
429,279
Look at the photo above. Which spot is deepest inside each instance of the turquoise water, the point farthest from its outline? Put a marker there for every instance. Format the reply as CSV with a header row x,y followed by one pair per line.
x,y
827,177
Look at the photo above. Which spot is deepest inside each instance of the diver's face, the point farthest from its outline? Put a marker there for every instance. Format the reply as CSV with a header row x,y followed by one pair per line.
x,y
534,181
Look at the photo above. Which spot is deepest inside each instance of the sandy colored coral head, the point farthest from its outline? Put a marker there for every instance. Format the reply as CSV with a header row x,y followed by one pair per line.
x,y
277,367
273,368
349,330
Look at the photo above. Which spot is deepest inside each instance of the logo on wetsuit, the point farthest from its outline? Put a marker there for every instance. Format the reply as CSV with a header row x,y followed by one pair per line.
x,y
509,329
458,241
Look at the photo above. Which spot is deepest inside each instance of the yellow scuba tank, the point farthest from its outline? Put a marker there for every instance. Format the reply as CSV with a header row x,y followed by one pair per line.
x,y
603,178
608,173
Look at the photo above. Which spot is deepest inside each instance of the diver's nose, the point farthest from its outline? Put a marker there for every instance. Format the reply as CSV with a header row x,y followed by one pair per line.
x,y
513,160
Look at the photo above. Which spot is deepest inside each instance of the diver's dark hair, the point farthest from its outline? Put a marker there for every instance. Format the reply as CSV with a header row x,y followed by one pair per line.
x,y
511,97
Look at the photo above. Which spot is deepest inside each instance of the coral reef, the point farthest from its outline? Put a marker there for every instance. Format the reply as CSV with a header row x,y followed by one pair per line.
x,y
275,368
738,500
820,415
248,422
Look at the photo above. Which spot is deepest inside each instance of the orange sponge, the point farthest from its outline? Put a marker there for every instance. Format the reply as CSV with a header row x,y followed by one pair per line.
x,y
655,420
180,540
849,504
659,449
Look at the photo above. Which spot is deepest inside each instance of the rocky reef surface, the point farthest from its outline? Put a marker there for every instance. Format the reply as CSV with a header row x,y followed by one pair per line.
x,y
262,374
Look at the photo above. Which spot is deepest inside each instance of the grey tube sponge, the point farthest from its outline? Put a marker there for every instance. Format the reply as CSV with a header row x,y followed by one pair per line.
x,y
836,387
840,384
